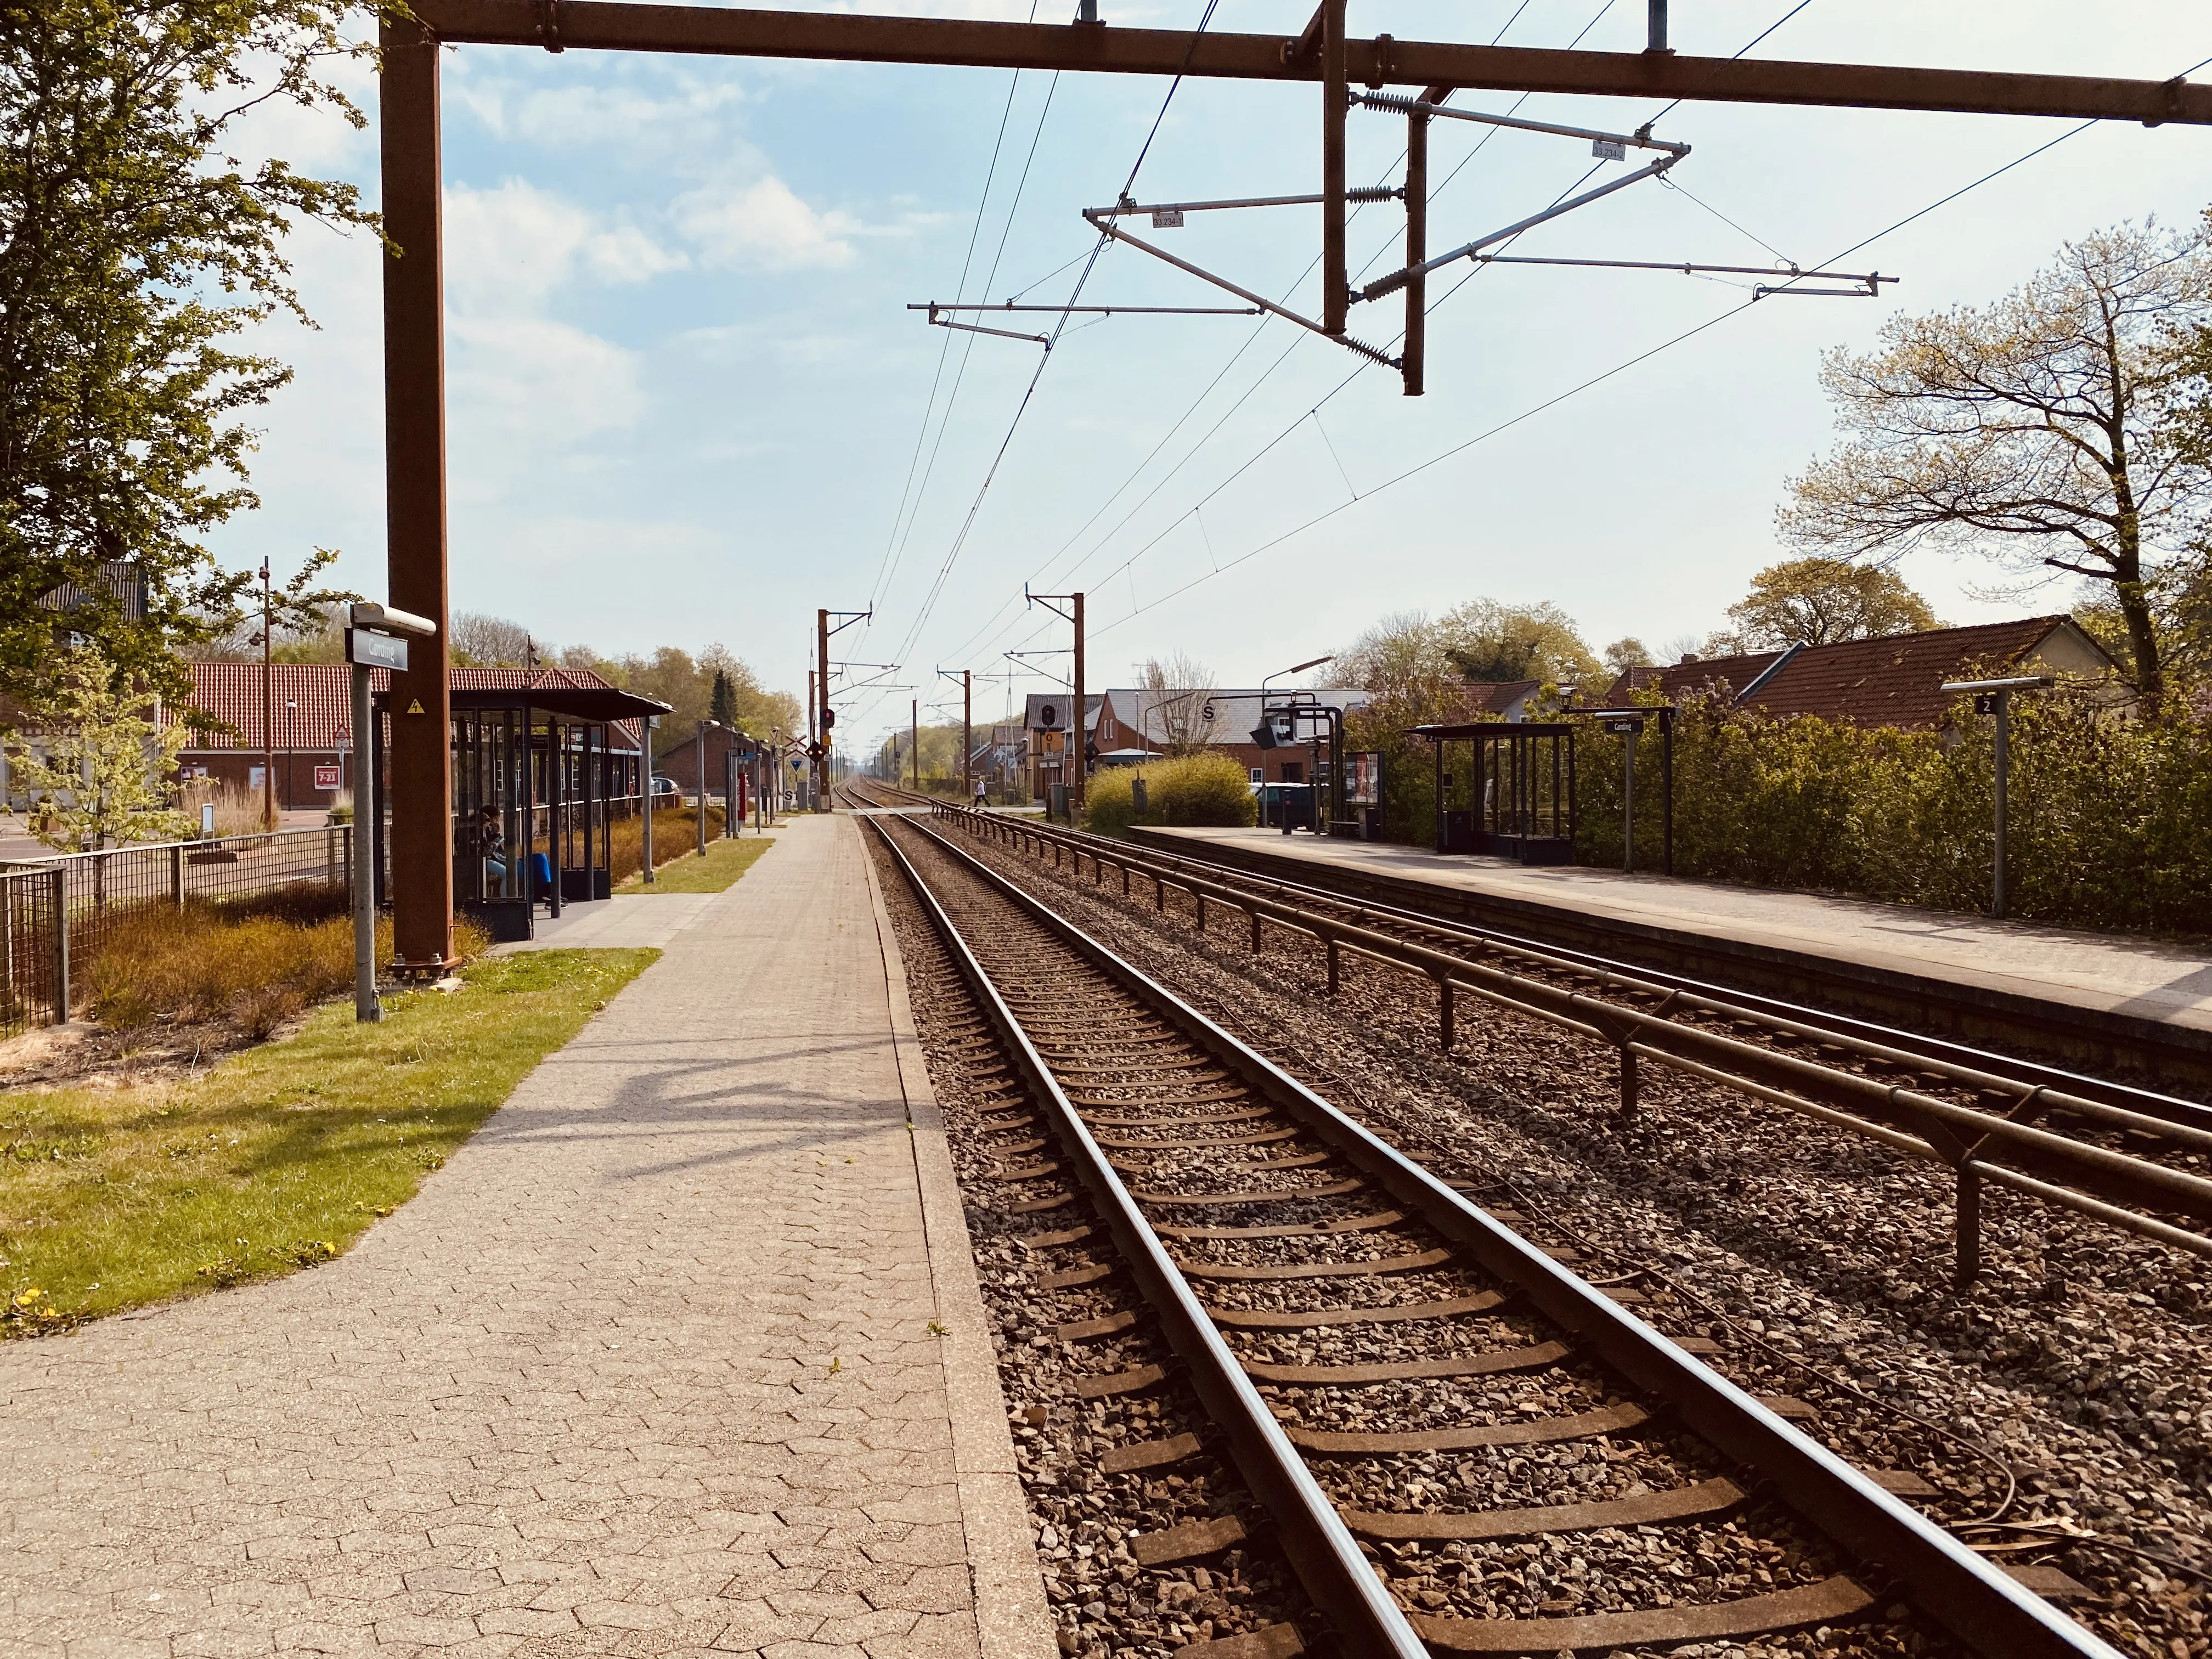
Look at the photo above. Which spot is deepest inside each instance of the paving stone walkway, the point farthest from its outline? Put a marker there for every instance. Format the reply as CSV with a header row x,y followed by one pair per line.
x,y
646,1368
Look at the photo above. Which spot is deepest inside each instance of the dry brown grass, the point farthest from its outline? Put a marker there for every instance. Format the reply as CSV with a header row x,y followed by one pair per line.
x,y
237,809
675,832
257,966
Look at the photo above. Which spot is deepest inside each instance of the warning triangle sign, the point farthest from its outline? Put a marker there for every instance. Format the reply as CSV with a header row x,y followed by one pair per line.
x,y
415,707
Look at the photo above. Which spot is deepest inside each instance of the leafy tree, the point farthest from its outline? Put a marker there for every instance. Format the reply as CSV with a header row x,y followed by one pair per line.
x,y
2031,429
99,773
132,251
1488,642
1624,655
686,684
305,622
1821,601
1410,655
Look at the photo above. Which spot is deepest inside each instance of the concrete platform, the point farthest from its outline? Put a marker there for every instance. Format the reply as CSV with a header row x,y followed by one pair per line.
x,y
682,1353
2127,989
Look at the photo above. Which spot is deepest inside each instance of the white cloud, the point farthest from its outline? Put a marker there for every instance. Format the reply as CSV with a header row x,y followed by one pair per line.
x,y
538,383
763,225
597,115
511,247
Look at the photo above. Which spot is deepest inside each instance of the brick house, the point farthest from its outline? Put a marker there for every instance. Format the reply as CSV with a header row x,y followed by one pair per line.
x,y
313,718
680,765
1894,680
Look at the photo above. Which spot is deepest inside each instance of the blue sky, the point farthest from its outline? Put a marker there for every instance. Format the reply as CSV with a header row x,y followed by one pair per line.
x,y
688,402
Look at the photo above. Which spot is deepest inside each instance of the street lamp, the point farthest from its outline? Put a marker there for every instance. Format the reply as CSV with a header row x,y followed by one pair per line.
x,y
1296,668
1995,697
291,720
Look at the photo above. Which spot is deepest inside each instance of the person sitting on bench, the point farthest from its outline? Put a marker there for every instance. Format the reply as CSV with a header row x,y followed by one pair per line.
x,y
491,843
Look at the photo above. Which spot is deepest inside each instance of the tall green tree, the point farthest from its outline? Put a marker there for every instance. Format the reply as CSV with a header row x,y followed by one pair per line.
x,y
135,249
722,702
1822,601
2031,429
1411,654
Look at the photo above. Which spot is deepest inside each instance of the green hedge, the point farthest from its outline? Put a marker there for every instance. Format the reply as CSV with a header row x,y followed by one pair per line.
x,y
2110,820
1192,791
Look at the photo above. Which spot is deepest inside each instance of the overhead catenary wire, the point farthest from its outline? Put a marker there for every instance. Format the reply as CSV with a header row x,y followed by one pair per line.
x,y
944,571
1296,340
893,542
1237,357
1434,306
1595,379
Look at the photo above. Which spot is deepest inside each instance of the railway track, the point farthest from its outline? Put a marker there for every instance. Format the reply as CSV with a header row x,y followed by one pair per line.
x,y
2123,1155
1366,1343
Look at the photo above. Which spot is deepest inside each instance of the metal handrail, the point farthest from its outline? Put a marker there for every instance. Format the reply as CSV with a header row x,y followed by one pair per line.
x,y
1637,1034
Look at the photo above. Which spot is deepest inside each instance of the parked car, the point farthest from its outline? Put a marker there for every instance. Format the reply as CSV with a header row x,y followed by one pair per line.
x,y
663,786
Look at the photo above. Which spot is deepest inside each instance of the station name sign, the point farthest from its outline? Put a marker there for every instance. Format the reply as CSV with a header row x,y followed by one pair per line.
x,y
375,650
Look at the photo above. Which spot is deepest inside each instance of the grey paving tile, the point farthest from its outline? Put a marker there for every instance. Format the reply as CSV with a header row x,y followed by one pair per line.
x,y
575,1397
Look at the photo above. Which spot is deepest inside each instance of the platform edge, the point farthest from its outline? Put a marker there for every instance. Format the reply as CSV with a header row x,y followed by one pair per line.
x,y
1013,1619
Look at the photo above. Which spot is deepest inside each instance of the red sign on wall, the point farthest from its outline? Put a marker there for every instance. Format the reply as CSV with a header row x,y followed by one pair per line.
x,y
326,777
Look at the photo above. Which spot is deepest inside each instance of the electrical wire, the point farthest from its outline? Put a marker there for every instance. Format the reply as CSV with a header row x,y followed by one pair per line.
x,y
960,540
892,542
1619,368
1296,340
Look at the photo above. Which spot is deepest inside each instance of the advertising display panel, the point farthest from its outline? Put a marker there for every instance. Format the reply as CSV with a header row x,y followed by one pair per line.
x,y
1363,778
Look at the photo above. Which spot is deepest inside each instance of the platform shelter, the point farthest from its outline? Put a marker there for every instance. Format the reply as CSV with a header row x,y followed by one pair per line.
x,y
1520,796
541,775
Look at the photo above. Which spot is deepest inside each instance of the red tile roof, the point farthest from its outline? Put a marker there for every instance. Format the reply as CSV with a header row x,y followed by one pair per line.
x,y
1896,680
231,692
1498,696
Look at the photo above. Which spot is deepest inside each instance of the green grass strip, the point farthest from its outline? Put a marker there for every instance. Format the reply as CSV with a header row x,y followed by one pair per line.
x,y
725,862
278,1158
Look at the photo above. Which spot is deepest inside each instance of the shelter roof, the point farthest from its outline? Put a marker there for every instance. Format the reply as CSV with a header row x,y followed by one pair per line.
x,y
1492,731
230,692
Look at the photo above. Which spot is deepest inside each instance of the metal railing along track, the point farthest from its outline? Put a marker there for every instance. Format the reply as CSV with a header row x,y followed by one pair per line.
x,y
1999,1148
1899,1550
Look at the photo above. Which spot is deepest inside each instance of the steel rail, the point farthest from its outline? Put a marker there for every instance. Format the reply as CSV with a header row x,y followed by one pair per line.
x,y
1926,1048
1981,1606
1322,1548
2123,1105
1970,1142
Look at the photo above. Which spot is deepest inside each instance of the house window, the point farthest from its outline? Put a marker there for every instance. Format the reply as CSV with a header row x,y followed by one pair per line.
x,y
1294,771
1259,776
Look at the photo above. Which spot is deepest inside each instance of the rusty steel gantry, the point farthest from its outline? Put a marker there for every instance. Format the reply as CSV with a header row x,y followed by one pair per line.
x,y
1322,52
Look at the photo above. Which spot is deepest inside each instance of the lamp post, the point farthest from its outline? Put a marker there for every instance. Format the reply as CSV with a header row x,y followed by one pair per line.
x,y
699,772
645,768
1295,668
292,736
1995,697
